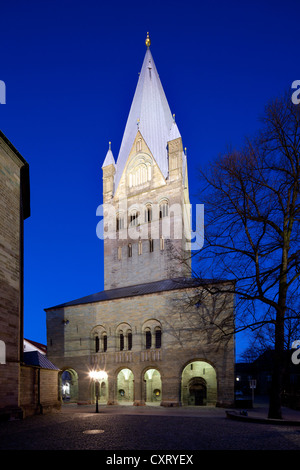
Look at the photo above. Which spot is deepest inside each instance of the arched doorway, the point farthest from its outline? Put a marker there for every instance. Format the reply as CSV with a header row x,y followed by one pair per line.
x,y
125,386
199,384
99,385
69,386
153,387
197,391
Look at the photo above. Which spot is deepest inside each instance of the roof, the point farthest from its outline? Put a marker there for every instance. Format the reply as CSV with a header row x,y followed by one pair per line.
x,y
151,115
35,358
139,289
40,346
109,159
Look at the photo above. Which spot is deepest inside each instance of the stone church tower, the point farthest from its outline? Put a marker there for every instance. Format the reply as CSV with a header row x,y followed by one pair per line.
x,y
148,337
146,193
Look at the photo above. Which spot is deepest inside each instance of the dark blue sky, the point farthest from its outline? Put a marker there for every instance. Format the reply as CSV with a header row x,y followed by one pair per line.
x,y
71,69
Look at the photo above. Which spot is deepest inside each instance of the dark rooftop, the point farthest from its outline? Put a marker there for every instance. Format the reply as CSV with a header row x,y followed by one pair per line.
x,y
139,289
35,358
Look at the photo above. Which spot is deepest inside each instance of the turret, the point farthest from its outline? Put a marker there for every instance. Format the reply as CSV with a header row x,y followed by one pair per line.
x,y
109,170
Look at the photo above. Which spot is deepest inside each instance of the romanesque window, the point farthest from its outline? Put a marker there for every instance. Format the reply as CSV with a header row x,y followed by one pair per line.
x,y
99,338
148,213
104,338
148,338
151,245
140,247
139,175
152,334
129,340
163,209
130,250
157,338
121,338
133,219
119,222
139,145
124,337
139,170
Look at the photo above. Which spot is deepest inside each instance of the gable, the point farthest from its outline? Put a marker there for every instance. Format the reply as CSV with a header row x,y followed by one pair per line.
x,y
141,172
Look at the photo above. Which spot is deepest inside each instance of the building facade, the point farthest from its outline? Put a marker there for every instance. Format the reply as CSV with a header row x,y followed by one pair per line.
x,y
27,386
149,332
14,209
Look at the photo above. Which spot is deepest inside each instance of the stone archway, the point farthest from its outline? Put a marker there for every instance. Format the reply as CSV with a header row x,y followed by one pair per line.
x,y
153,387
125,386
69,386
99,385
199,384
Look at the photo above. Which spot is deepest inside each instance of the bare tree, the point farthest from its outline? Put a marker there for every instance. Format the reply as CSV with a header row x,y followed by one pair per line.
x,y
252,230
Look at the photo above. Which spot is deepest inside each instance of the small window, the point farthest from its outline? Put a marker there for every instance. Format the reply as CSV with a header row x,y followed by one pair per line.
x,y
97,344
119,223
148,214
139,145
158,338
104,343
163,210
130,250
140,247
121,341
129,339
119,252
148,339
133,219
151,245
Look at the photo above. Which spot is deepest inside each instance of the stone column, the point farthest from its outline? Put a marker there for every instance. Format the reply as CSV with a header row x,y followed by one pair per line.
x,y
112,387
139,390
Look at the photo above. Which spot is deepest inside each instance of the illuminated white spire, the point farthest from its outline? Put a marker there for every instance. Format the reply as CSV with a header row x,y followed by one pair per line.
x,y
150,109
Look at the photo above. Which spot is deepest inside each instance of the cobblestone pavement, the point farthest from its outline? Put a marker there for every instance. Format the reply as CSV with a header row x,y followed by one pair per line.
x,y
124,428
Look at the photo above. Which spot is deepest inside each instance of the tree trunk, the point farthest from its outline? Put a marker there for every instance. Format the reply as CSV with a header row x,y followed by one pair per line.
x,y
276,391
278,366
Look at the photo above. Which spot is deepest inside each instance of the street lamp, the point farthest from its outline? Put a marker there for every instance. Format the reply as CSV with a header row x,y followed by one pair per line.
x,y
98,376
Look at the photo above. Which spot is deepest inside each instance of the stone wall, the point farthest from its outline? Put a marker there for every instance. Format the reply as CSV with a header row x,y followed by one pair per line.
x,y
39,390
145,264
186,337
9,275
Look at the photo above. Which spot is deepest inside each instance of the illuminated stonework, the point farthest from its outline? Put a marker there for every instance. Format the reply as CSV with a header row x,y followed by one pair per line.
x,y
139,329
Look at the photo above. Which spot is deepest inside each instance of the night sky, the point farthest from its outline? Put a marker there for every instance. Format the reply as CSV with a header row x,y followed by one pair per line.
x,y
70,70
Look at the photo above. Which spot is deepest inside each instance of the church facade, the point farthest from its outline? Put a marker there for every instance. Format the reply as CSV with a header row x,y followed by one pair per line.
x,y
148,337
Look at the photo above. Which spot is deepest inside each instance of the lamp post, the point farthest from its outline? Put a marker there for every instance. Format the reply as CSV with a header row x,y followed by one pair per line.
x,y
97,376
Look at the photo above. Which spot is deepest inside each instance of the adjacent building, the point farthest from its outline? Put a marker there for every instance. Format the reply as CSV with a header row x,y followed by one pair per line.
x,y
14,209
28,380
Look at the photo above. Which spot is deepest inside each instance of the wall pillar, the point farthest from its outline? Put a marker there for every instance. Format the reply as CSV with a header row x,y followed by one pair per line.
x,y
112,389
139,390
171,391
